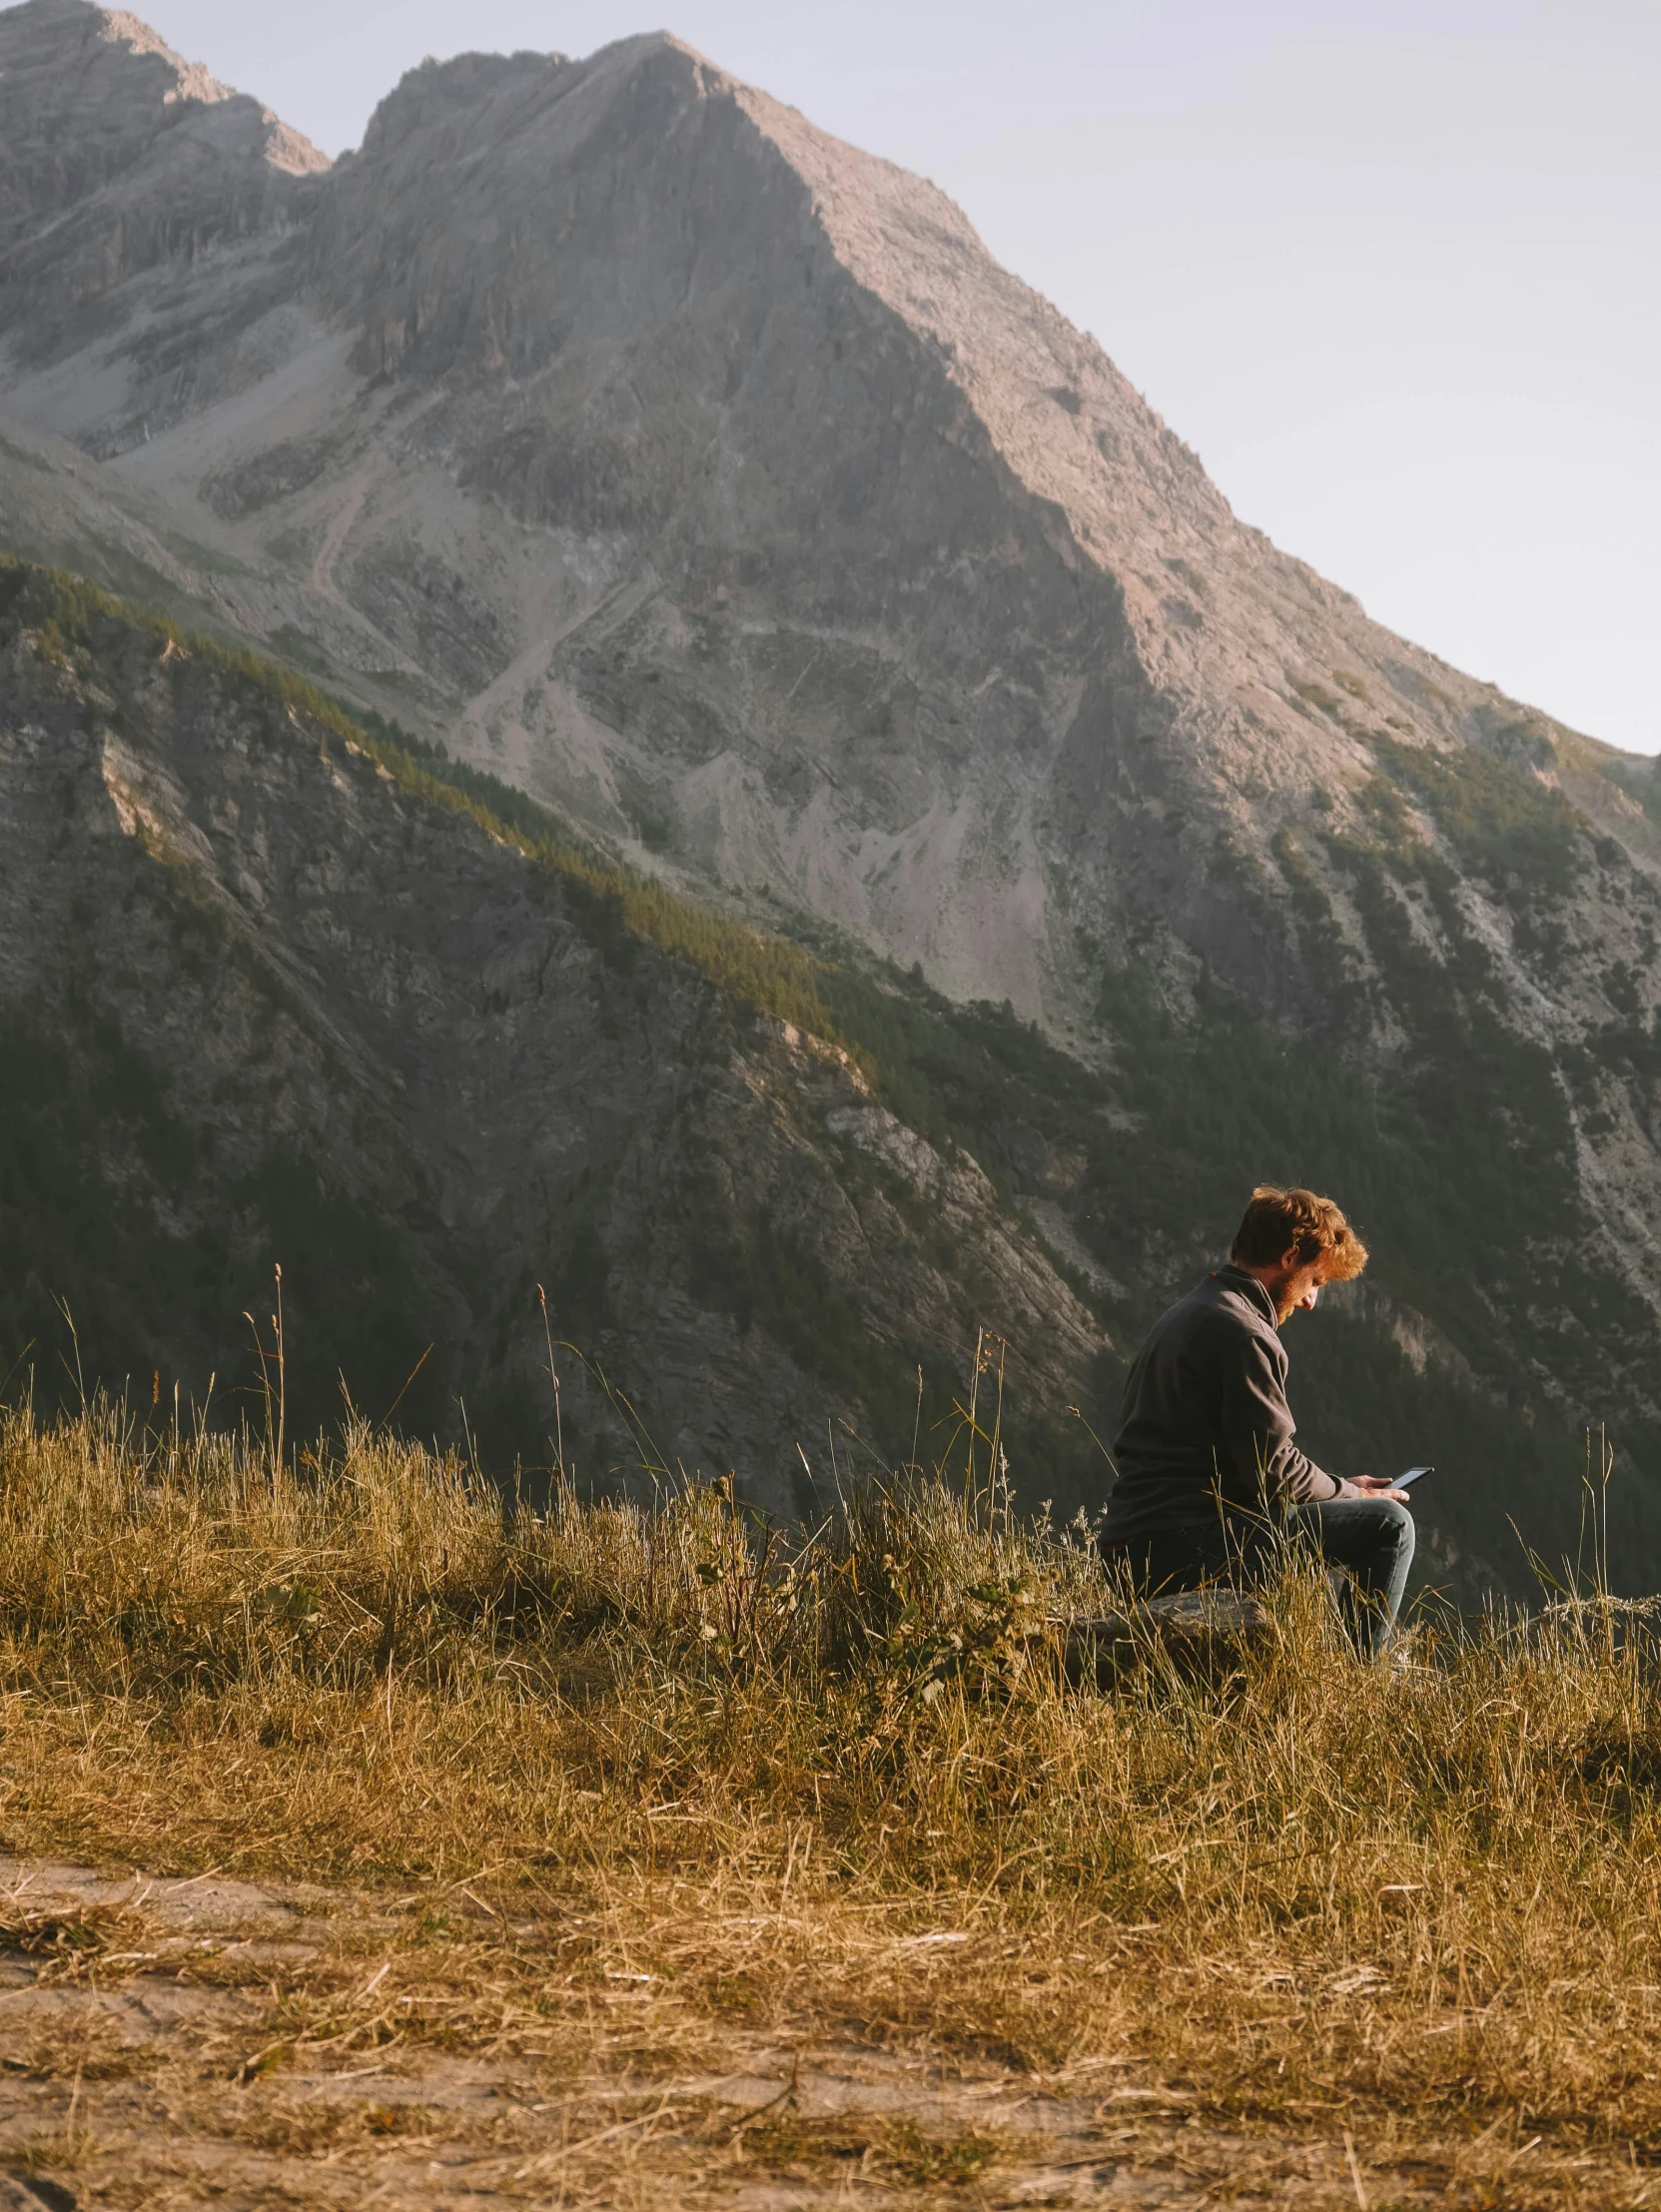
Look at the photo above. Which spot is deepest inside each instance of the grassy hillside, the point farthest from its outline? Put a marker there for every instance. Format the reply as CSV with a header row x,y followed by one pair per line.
x,y
640,1797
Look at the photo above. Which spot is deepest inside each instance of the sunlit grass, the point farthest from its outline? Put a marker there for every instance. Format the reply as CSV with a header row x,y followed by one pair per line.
x,y
843,1780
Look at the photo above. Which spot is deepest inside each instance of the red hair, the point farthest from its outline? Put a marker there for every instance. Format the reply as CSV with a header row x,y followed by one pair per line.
x,y
1279,1221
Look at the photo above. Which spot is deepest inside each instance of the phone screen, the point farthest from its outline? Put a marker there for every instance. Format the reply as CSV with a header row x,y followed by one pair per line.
x,y
1413,1475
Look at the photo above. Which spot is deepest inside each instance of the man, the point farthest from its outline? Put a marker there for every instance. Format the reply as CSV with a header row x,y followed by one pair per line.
x,y
1208,1472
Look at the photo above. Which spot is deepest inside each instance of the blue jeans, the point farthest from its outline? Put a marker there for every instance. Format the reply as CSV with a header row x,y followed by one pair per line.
x,y
1368,1540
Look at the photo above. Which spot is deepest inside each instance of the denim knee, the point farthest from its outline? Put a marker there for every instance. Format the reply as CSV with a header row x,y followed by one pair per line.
x,y
1395,1527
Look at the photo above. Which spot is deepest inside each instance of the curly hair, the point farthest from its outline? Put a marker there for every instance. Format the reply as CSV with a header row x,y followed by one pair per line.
x,y
1279,1222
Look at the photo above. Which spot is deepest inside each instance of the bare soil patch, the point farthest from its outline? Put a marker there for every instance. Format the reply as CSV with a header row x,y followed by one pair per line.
x,y
192,2041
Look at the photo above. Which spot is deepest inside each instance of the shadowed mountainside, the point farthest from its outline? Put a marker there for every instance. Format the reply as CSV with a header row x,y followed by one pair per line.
x,y
269,1000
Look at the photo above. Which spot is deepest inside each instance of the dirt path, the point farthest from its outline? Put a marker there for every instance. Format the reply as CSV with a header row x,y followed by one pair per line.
x,y
177,2043
342,525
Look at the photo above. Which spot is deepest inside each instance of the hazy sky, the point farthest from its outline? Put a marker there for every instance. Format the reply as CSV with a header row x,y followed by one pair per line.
x,y
1393,267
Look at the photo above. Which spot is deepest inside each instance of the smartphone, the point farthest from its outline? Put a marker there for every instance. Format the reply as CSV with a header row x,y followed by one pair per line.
x,y
1413,1475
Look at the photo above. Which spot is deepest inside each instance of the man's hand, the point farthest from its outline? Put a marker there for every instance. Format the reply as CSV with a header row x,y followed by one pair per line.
x,y
1370,1486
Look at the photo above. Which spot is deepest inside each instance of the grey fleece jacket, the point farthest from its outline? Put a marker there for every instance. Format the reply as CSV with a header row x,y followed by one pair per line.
x,y
1205,1418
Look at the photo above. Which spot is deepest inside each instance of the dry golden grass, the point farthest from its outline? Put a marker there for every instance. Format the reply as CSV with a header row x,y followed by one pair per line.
x,y
636,1787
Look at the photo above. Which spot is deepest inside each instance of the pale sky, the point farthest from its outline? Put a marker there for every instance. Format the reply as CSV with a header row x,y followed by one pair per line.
x,y
1392,267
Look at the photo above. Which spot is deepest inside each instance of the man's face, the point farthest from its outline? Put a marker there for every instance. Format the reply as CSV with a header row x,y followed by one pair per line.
x,y
1298,1285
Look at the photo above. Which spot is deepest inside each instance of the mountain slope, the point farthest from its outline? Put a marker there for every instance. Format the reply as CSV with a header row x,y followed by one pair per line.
x,y
706,480
269,1001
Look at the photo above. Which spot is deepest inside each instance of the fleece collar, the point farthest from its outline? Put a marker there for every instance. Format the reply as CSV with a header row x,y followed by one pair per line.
x,y
1248,1287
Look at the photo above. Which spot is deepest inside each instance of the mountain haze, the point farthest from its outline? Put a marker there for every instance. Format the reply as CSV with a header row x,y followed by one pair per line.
x,y
706,482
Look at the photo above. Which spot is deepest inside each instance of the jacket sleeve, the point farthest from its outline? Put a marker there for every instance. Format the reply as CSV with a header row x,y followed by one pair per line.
x,y
1257,1431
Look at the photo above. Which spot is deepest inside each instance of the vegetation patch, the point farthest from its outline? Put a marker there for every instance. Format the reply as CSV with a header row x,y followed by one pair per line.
x,y
1507,827
1317,695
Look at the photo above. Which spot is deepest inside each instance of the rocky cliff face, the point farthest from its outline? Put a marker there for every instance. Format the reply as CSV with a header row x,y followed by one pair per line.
x,y
705,480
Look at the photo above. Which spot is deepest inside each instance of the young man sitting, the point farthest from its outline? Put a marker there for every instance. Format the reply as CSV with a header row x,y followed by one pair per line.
x,y
1209,1481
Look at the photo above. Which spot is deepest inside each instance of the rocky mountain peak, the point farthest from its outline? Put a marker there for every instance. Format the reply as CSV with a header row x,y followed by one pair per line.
x,y
439,93
121,165
109,81
194,82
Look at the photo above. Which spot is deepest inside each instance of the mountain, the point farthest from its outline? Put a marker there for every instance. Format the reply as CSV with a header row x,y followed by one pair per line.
x,y
276,998
706,482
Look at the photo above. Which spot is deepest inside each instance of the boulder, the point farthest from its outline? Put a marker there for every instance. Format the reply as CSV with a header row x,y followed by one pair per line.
x,y
1198,1629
